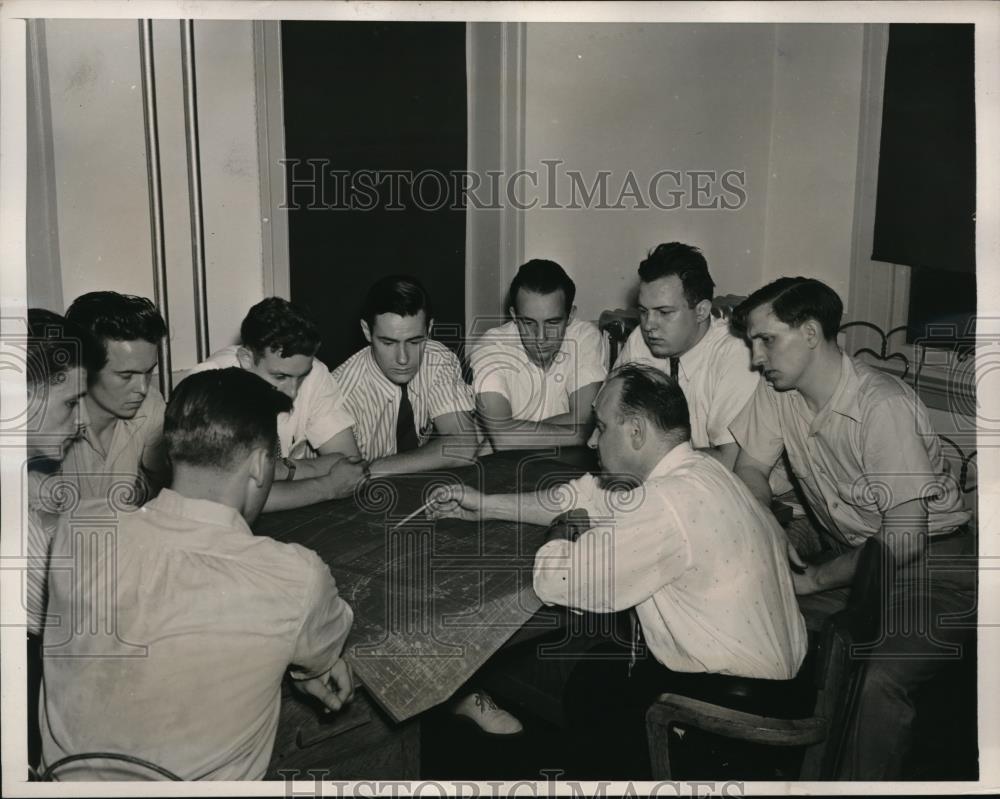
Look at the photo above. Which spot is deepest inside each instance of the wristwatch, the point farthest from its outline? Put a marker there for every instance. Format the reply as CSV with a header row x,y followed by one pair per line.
x,y
290,465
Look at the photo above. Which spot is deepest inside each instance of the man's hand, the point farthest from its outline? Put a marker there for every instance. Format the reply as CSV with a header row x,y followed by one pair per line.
x,y
334,689
455,502
806,582
343,477
803,575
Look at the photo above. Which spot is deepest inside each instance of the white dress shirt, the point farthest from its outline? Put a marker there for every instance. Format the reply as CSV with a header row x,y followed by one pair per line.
x,y
501,365
691,549
715,376
318,411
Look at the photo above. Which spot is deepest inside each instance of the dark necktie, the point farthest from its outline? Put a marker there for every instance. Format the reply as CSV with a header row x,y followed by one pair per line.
x,y
406,431
675,367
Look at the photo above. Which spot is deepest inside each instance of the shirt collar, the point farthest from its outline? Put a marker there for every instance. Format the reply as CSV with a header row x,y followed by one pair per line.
x,y
141,412
845,397
199,510
690,361
513,339
680,453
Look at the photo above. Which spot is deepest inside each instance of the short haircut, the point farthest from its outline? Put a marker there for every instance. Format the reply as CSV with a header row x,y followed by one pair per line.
x,y
684,261
653,394
214,418
399,294
542,277
108,315
275,324
55,346
794,300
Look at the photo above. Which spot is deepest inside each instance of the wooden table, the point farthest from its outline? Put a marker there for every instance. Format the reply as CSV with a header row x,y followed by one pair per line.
x,y
433,600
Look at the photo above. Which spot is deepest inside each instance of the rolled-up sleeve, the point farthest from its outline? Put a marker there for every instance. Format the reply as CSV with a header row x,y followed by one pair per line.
x,y
896,466
327,621
735,385
490,368
757,428
448,392
620,562
590,358
328,413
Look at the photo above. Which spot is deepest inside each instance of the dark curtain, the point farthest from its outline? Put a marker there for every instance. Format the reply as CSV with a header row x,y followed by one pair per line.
x,y
366,99
925,210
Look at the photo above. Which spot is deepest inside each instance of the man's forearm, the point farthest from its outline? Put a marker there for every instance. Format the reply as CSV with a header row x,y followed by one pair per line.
x,y
757,482
558,431
838,572
526,508
288,494
439,452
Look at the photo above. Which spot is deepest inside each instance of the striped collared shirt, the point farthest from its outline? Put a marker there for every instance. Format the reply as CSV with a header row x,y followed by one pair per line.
x,y
373,400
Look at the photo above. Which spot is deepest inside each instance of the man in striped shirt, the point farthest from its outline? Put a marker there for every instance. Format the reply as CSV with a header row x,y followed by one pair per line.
x,y
412,410
59,355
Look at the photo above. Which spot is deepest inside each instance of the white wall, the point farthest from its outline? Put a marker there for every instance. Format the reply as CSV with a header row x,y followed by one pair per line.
x,y
778,102
100,167
814,153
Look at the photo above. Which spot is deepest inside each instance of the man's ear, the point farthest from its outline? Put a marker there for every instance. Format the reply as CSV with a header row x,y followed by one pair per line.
x,y
512,311
702,310
637,432
812,332
258,462
367,331
244,357
430,326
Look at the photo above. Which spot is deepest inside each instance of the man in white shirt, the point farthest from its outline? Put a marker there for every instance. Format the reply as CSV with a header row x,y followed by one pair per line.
x,y
536,376
672,533
869,463
412,410
118,455
320,458
173,624
678,334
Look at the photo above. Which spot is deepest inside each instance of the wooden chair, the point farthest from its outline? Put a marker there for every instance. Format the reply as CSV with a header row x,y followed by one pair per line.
x,y
837,677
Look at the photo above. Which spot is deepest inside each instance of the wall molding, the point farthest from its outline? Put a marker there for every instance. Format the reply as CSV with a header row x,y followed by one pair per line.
x,y
270,152
42,243
494,237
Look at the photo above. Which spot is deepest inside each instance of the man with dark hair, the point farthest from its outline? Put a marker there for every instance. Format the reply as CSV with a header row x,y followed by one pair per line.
x,y
412,410
869,463
118,456
320,458
536,377
177,624
670,532
678,334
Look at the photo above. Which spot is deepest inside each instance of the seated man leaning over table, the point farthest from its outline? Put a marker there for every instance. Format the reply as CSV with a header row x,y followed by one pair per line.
x,y
174,635
869,463
118,456
536,376
704,566
279,343
412,410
